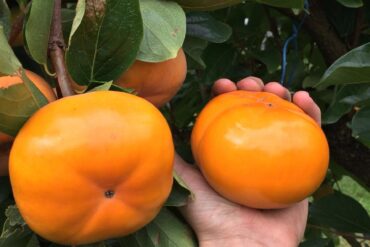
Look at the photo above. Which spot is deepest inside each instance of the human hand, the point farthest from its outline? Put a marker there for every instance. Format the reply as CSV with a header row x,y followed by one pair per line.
x,y
219,222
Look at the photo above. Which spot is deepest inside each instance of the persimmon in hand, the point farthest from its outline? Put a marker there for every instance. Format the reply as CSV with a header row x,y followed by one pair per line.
x,y
156,82
92,167
258,150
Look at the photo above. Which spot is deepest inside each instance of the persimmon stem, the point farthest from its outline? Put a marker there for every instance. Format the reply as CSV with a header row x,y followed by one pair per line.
x,y
56,51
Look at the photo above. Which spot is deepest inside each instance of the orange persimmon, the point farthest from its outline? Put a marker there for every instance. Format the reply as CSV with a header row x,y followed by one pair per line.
x,y
259,150
91,167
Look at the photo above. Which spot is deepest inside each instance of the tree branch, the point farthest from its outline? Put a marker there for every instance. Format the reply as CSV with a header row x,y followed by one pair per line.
x,y
56,52
358,28
317,24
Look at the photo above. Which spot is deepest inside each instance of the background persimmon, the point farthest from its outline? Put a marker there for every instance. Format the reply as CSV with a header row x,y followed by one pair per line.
x,y
92,167
258,150
156,82
7,81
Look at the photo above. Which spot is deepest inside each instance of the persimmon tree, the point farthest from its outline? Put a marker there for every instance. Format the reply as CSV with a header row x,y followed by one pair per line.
x,y
86,45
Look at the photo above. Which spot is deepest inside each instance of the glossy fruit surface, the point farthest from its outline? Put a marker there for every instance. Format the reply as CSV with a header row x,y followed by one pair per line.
x,y
7,81
258,150
91,167
156,82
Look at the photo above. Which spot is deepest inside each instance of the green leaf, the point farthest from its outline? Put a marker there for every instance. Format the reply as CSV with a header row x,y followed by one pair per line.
x,y
361,125
204,26
351,68
297,4
103,87
106,42
165,230
37,29
343,102
9,63
351,3
180,193
5,16
340,212
15,231
203,5
14,216
18,103
80,11
164,30
194,48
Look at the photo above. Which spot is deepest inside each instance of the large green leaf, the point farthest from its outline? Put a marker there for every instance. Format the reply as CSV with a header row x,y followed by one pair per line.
x,y
164,30
340,212
9,63
37,29
5,17
106,42
351,3
351,68
361,125
204,26
202,5
165,230
297,4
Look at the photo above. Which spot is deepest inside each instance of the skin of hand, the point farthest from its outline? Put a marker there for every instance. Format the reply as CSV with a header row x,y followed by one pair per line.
x,y
218,222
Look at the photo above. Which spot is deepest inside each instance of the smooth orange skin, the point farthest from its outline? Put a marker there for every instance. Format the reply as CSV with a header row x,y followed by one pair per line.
x,y
5,82
156,82
258,150
74,150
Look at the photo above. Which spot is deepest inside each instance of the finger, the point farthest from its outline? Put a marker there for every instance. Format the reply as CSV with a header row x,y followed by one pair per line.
x,y
278,89
250,84
306,103
223,86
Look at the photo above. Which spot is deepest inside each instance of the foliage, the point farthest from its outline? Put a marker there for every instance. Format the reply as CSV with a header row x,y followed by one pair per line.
x,y
227,39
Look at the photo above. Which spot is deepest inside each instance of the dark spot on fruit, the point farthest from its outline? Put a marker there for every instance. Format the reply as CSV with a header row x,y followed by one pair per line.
x,y
269,105
109,194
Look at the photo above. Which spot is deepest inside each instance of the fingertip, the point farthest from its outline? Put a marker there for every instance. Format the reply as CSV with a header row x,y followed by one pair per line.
x,y
250,83
277,89
308,105
223,86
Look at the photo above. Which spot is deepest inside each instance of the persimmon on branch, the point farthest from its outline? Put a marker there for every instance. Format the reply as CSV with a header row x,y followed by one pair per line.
x,y
56,51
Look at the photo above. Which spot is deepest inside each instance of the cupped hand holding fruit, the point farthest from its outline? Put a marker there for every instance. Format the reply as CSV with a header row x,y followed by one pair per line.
x,y
220,222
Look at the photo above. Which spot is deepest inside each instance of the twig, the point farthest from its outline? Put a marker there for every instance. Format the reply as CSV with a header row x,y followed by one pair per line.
x,y
56,51
358,28
16,28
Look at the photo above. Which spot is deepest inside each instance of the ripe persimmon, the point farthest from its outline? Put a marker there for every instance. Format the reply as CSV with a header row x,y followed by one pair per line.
x,y
156,82
91,167
7,81
259,150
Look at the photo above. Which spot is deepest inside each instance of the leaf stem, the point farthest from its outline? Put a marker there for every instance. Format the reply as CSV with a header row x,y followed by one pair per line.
x,y
56,51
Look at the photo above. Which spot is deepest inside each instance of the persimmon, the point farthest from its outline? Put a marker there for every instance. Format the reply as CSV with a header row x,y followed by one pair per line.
x,y
7,81
91,167
259,150
156,82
